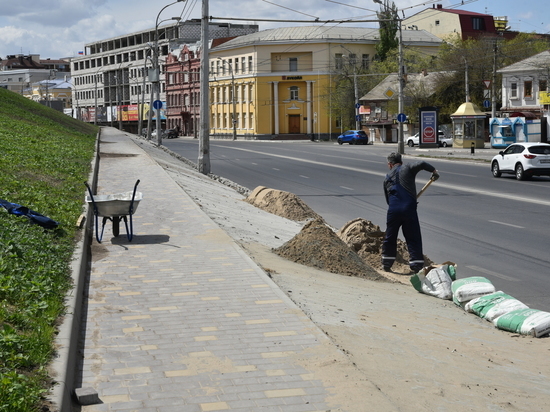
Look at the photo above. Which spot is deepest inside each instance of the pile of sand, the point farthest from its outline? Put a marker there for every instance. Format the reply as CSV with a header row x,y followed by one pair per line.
x,y
282,204
318,246
354,250
366,239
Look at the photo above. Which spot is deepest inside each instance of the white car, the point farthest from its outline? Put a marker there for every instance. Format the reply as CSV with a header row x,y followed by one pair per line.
x,y
523,159
443,141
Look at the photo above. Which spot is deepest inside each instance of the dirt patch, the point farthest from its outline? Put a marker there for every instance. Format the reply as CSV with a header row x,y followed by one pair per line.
x,y
280,203
366,238
318,246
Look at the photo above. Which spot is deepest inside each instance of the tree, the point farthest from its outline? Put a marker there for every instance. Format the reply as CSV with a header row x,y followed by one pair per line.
x,y
389,24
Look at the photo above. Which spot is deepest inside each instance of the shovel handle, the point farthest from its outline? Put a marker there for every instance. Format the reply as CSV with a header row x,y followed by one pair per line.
x,y
425,187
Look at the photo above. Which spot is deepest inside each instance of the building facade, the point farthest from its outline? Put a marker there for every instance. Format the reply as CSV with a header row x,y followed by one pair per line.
x,y
448,22
111,82
183,89
526,102
275,84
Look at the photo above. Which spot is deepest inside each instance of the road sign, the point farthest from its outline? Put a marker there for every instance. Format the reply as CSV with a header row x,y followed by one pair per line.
x,y
157,104
401,117
357,105
486,103
487,84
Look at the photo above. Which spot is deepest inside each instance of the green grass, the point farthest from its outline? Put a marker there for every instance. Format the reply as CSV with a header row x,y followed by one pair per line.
x,y
45,157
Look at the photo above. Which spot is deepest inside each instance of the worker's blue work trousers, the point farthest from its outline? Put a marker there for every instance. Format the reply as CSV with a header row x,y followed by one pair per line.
x,y
407,220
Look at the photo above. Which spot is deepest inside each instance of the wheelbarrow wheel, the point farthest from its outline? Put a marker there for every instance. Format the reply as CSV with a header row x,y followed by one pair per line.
x,y
116,226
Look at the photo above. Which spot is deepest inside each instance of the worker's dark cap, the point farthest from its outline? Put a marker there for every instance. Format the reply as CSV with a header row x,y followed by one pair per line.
x,y
394,158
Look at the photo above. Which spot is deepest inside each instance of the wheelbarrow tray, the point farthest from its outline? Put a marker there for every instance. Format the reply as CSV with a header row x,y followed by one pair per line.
x,y
115,205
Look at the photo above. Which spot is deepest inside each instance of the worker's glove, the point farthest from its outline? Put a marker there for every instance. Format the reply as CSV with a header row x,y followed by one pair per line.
x,y
435,176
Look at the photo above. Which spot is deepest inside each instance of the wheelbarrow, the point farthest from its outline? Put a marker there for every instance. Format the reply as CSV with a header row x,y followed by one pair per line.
x,y
115,207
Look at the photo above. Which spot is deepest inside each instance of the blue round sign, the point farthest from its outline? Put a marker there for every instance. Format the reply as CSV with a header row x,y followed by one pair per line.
x,y
486,103
157,104
401,117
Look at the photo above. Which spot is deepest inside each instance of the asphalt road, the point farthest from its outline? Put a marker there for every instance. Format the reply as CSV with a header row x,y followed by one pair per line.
x,y
490,227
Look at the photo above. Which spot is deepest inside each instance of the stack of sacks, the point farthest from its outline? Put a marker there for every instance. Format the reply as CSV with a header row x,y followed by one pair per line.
x,y
525,321
435,280
493,305
464,290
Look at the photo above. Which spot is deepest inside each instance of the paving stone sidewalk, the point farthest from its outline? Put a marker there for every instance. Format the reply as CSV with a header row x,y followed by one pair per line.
x,y
181,319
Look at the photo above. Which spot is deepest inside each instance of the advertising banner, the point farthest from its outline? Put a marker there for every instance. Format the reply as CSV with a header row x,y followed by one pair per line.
x,y
428,126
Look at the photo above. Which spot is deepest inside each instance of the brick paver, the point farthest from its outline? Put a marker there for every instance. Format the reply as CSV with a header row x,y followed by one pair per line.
x,y
181,319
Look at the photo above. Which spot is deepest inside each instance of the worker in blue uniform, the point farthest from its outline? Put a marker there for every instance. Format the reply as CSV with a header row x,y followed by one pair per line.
x,y
400,192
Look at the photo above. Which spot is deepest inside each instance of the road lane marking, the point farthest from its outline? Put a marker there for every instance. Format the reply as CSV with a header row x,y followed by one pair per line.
x,y
347,188
305,177
506,224
460,188
491,273
278,170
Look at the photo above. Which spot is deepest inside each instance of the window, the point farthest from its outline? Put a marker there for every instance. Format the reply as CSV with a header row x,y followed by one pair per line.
x,y
250,64
478,23
528,89
243,65
294,93
513,91
365,61
543,85
236,65
437,22
293,64
352,59
339,61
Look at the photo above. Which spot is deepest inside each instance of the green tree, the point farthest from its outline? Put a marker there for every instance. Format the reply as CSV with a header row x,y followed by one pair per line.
x,y
389,24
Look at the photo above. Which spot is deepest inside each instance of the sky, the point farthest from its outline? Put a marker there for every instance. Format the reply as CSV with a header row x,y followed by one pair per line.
x,y
60,28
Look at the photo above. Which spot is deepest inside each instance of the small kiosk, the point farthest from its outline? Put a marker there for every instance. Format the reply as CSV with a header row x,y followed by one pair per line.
x,y
468,127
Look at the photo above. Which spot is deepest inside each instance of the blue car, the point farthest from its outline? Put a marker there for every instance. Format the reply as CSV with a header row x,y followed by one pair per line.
x,y
353,137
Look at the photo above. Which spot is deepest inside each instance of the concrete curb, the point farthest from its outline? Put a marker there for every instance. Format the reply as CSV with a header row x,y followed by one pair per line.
x,y
63,367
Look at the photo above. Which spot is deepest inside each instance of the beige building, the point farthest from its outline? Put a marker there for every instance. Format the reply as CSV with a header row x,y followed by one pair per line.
x,y
274,84
451,22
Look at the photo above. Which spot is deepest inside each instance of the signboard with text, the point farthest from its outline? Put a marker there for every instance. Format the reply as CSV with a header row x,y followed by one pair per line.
x,y
428,126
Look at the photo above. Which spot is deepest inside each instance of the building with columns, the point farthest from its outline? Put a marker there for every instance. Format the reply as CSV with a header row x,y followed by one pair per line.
x,y
274,84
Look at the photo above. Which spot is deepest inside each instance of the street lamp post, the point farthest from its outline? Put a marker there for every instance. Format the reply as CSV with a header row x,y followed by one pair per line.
x,y
156,67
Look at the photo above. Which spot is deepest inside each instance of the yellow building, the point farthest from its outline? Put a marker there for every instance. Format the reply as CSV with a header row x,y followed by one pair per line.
x,y
275,84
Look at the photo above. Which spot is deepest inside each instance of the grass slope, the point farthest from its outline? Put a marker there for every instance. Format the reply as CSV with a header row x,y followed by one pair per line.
x,y
45,157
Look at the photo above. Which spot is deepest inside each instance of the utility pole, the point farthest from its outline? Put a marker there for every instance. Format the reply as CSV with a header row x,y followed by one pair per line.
x,y
204,136
493,94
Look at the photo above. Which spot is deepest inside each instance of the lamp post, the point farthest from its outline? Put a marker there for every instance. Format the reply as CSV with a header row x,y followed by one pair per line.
x,y
234,116
156,67
95,95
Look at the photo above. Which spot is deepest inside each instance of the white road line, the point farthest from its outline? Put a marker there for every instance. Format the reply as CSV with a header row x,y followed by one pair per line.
x,y
278,170
491,273
347,188
255,164
506,224
305,177
460,188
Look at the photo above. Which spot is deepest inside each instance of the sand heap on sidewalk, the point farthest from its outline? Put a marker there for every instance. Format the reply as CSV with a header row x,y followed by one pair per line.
x,y
281,203
318,246
354,250
365,238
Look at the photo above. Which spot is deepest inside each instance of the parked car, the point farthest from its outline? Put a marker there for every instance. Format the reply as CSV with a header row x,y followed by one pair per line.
x,y
353,137
413,140
523,159
443,140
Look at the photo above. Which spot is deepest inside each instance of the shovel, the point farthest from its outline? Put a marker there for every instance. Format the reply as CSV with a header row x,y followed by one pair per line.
x,y
425,187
